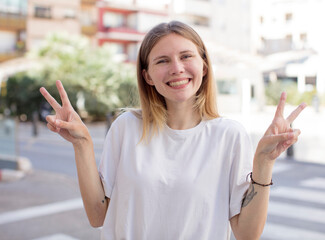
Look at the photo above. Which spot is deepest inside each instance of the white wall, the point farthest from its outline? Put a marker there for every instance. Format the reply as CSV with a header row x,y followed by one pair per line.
x,y
146,21
8,41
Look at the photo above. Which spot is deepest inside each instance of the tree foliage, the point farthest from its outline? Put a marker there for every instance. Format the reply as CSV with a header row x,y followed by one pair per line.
x,y
96,81
273,92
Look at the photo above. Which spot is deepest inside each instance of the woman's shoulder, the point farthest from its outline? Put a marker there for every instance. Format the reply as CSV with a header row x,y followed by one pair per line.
x,y
227,124
128,117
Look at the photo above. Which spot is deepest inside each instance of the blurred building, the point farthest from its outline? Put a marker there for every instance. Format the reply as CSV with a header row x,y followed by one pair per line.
x,y
290,35
12,28
24,24
225,27
46,16
123,23
247,39
88,17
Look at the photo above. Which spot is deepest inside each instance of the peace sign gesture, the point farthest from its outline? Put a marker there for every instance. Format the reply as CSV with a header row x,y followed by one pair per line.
x,y
279,136
66,120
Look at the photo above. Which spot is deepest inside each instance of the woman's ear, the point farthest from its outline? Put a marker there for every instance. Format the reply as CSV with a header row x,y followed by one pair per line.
x,y
205,70
147,77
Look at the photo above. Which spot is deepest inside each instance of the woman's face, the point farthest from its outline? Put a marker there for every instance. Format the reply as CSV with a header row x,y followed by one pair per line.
x,y
175,68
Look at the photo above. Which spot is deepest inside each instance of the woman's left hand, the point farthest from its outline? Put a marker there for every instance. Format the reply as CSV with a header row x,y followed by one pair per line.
x,y
279,136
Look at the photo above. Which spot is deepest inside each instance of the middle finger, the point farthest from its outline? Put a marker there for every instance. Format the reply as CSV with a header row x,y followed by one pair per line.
x,y
55,105
296,113
63,94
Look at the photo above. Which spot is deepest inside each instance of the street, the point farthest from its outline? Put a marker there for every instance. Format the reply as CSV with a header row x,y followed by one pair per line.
x,y
46,204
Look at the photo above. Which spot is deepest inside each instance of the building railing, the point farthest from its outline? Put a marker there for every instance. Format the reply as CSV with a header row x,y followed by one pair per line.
x,y
10,21
121,29
10,55
92,2
89,30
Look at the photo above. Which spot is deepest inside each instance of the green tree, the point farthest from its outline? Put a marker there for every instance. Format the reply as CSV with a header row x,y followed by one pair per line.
x,y
273,91
92,74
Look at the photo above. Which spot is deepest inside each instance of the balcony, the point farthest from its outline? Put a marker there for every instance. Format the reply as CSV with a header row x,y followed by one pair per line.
x,y
88,2
10,55
121,33
89,30
18,50
12,22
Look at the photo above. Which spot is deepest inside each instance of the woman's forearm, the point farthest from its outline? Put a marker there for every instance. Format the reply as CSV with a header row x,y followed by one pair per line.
x,y
91,188
249,224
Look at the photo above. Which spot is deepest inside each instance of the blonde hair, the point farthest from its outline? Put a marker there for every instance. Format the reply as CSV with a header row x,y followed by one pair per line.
x,y
153,106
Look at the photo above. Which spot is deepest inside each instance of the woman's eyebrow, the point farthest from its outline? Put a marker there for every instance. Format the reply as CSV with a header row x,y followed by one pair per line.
x,y
186,51
159,57
165,56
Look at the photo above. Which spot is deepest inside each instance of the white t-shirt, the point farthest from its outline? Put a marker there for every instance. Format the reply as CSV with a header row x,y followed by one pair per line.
x,y
182,185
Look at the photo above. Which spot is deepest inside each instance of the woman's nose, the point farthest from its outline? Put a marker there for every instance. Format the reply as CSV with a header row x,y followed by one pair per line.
x,y
176,67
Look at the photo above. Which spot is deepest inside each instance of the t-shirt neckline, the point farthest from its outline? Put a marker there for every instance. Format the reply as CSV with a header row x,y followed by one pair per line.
x,y
185,133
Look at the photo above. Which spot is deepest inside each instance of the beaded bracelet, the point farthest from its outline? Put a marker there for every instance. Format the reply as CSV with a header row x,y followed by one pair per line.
x,y
260,184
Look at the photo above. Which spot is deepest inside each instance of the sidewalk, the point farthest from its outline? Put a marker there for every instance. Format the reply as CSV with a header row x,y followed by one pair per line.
x,y
12,166
43,205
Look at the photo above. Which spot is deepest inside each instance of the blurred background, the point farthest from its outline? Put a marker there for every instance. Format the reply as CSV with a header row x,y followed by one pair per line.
x,y
258,49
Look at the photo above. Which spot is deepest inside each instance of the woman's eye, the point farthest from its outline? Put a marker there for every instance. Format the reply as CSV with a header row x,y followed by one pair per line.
x,y
161,61
186,56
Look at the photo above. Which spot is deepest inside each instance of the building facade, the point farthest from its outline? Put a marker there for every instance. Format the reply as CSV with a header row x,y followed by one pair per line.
x,y
123,24
88,17
248,40
225,27
289,34
47,16
12,28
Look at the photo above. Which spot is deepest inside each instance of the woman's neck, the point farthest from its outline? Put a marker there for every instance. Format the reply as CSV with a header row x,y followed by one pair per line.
x,y
182,116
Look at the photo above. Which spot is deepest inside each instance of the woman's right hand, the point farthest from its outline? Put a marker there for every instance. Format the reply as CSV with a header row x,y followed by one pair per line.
x,y
66,120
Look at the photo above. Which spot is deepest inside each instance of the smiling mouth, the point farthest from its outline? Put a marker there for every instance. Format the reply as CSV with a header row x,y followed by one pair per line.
x,y
178,83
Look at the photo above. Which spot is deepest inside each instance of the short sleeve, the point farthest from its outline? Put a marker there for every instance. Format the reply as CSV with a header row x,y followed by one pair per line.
x,y
242,161
109,159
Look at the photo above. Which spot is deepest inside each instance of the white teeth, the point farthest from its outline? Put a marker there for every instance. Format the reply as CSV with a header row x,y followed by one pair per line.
x,y
178,83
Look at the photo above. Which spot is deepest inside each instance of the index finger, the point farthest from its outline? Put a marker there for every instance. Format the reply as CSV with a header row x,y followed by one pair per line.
x,y
55,105
63,94
296,112
280,108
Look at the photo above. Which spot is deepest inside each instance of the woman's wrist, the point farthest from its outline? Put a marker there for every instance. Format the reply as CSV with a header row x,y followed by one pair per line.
x,y
262,171
250,175
83,142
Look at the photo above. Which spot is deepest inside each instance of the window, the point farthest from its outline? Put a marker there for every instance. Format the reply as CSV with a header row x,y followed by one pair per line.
x,y
261,19
69,13
200,21
288,17
42,12
114,20
227,86
289,37
303,37
252,92
311,80
13,6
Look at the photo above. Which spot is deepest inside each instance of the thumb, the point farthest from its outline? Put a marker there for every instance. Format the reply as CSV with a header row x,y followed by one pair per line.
x,y
63,124
277,138
288,136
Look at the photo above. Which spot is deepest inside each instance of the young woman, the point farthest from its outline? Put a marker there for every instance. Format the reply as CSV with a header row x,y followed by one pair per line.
x,y
175,169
